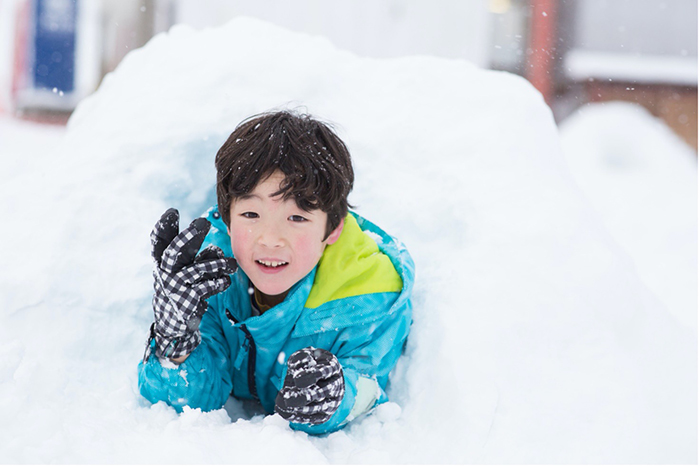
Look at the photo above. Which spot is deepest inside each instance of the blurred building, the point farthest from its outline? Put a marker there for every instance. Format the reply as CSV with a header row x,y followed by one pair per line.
x,y
99,33
55,52
579,51
371,28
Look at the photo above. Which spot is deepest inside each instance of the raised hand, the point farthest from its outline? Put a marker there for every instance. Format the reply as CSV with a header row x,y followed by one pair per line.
x,y
182,281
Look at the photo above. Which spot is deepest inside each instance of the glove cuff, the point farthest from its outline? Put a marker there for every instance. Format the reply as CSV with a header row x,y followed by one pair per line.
x,y
168,347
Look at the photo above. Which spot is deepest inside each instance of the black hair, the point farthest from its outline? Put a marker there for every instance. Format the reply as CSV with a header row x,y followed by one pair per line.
x,y
315,162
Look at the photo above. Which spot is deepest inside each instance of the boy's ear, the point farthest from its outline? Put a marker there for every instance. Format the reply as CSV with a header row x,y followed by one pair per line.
x,y
335,234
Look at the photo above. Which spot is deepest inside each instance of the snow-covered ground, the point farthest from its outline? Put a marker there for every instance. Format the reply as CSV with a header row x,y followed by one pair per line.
x,y
643,179
536,338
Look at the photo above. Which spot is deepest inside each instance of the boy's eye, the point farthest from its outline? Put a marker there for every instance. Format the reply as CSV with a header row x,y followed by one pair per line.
x,y
297,218
249,215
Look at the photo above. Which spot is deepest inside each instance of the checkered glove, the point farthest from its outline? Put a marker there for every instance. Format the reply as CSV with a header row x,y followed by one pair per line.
x,y
183,282
313,388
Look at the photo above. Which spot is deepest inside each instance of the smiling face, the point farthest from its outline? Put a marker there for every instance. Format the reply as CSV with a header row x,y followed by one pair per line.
x,y
275,242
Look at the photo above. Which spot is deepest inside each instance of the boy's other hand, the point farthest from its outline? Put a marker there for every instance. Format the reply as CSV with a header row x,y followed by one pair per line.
x,y
313,388
183,281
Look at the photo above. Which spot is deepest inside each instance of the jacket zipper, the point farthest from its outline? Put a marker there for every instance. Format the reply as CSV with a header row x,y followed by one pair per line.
x,y
251,362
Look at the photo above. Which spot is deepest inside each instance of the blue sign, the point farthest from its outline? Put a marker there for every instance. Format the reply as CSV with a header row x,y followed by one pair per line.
x,y
54,44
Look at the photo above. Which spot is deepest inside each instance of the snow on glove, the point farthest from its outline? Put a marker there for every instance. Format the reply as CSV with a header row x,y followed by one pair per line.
x,y
313,388
183,282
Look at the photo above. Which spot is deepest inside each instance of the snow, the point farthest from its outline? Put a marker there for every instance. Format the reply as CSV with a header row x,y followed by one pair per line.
x,y
643,180
536,336
638,68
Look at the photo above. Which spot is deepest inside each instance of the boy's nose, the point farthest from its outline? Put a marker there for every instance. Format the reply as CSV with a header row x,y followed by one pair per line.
x,y
270,238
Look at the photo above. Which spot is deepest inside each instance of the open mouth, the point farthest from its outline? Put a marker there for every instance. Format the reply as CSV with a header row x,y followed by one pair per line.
x,y
271,264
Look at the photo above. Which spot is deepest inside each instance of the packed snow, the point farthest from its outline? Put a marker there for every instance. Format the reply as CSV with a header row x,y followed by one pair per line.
x,y
643,180
536,336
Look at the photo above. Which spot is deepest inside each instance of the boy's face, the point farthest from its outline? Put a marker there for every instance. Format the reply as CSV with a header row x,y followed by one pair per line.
x,y
274,241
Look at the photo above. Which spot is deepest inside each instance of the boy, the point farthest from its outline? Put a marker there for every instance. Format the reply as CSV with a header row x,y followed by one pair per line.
x,y
311,315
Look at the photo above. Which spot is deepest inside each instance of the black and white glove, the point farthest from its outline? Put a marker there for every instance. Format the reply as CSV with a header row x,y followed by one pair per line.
x,y
182,283
313,388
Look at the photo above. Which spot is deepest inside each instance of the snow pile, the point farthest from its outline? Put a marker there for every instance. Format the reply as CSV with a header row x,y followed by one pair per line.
x,y
643,180
534,340
24,202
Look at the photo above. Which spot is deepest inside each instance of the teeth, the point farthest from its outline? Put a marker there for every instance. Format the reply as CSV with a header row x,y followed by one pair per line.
x,y
272,263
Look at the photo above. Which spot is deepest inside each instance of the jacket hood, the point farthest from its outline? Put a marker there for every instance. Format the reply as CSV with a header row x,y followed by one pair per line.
x,y
353,266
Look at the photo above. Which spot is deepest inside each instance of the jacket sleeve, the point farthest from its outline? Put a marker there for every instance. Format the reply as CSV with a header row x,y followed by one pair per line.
x,y
367,353
202,381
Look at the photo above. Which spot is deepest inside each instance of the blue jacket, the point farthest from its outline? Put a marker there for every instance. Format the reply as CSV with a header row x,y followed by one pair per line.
x,y
356,303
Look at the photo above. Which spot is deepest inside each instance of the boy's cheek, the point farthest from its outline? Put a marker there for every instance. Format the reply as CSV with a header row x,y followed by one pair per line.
x,y
238,242
310,250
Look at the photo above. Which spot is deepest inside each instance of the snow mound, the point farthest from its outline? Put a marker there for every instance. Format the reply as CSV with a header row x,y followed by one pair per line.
x,y
643,180
534,340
